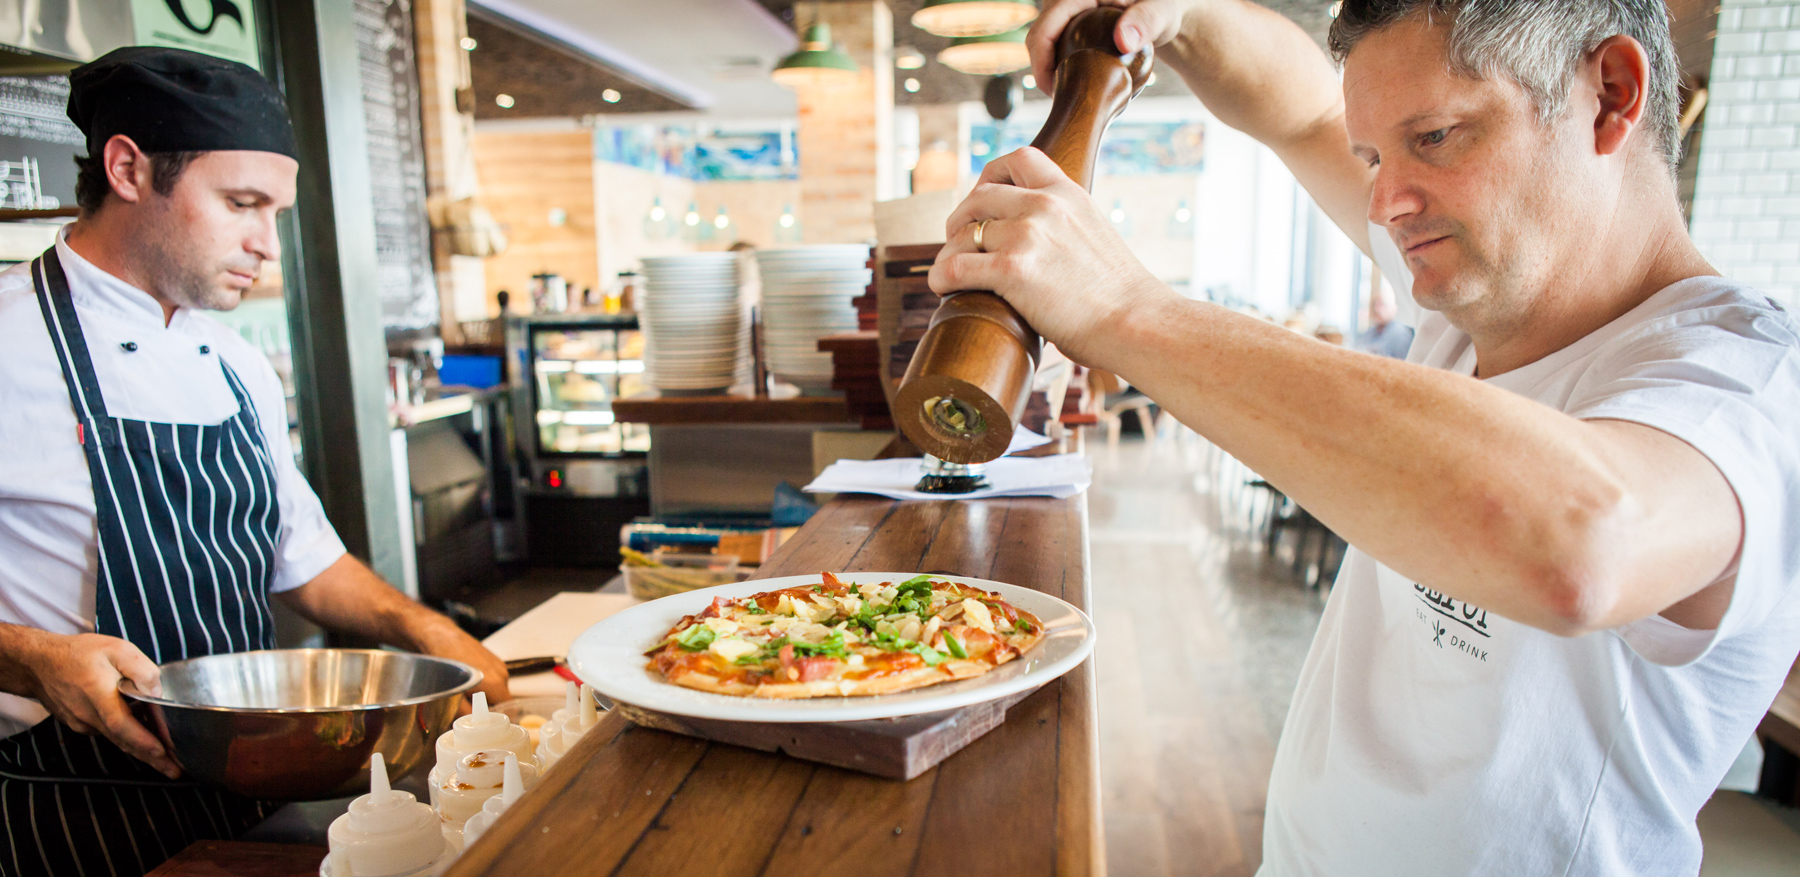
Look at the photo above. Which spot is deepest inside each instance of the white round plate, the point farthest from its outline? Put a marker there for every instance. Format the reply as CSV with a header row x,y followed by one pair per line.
x,y
712,258
839,251
610,657
817,276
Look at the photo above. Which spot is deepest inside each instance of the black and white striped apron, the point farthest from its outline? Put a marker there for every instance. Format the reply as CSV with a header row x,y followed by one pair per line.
x,y
187,522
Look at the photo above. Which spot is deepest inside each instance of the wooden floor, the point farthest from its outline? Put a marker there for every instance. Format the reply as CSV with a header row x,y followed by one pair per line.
x,y
1201,640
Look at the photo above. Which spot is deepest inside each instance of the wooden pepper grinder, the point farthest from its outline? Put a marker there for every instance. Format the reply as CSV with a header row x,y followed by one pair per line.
x,y
970,378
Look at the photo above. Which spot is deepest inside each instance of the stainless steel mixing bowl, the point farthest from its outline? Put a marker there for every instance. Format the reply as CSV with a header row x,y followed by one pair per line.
x,y
299,724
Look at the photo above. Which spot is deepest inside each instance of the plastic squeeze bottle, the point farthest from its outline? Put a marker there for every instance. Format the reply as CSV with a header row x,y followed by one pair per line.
x,y
548,749
386,834
510,790
478,777
552,747
479,730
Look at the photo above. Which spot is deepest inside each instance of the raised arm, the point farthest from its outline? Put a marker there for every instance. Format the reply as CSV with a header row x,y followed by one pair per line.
x,y
1257,72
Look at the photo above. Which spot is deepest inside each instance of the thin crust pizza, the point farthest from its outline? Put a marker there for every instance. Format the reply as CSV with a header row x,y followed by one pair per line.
x,y
838,640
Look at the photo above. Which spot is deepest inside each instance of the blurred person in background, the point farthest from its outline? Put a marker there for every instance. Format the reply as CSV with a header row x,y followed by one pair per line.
x,y
1385,336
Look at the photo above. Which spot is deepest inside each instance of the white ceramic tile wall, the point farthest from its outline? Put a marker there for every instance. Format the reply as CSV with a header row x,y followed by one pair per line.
x,y
1747,197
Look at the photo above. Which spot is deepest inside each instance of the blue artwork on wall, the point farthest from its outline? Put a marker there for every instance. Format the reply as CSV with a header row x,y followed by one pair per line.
x,y
702,154
1129,149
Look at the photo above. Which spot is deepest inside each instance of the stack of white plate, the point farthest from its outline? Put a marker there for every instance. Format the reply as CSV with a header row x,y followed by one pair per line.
x,y
692,322
806,293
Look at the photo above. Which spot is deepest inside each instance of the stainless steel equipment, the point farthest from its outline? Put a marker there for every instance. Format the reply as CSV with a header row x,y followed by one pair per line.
x,y
300,724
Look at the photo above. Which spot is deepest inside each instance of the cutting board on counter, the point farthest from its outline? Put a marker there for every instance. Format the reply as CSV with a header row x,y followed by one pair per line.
x,y
236,858
896,749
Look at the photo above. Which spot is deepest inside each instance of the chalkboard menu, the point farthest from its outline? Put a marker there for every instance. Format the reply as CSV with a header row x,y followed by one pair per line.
x,y
390,86
38,143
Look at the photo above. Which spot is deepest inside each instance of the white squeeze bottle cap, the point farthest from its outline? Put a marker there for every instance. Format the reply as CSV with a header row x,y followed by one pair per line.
x,y
481,729
385,832
511,788
589,715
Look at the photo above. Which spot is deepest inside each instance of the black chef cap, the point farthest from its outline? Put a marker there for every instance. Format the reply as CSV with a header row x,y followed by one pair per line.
x,y
174,100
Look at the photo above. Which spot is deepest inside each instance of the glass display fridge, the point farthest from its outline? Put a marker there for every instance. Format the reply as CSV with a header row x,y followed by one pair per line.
x,y
587,473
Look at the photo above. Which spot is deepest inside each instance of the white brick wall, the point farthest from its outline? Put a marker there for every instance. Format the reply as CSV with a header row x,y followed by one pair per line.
x,y
1747,195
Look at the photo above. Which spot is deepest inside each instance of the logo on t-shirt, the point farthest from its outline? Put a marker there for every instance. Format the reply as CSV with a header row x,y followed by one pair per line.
x,y
1454,625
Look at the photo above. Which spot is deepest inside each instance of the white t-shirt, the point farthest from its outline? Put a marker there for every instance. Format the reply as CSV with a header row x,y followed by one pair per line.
x,y
1428,736
48,542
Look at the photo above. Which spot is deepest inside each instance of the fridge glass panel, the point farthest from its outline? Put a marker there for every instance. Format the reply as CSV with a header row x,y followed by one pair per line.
x,y
579,372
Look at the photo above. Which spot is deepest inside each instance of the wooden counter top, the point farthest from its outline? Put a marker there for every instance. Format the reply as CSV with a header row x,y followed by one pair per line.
x,y
1022,800
655,409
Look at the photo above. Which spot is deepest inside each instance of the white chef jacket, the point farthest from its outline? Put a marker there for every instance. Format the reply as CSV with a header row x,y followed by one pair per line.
x,y
49,550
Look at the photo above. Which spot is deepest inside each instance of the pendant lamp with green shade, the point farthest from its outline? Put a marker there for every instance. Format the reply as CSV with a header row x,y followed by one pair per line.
x,y
818,62
989,55
974,18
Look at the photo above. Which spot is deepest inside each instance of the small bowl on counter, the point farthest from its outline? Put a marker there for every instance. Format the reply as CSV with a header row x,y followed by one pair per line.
x,y
530,713
300,724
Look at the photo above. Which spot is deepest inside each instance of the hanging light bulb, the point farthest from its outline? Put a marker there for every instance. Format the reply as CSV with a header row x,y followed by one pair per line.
x,y
721,222
989,55
973,18
693,215
1181,222
819,62
908,58
656,222
1120,220
787,226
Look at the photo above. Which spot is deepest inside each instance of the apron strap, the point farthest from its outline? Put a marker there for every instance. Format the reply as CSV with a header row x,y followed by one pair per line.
x,y
58,306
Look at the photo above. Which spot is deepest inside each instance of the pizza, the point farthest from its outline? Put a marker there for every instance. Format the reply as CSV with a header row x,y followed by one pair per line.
x,y
837,640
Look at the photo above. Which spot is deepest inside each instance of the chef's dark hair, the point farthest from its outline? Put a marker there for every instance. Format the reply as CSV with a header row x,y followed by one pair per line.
x,y
92,186
1540,46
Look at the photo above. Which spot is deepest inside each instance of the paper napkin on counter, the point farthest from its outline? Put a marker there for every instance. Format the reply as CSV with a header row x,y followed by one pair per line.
x,y
1059,476
1024,440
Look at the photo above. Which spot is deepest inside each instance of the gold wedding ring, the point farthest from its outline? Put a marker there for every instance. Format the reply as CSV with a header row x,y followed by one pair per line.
x,y
979,227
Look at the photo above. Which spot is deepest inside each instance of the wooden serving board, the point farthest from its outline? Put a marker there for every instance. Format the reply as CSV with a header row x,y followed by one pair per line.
x,y
897,749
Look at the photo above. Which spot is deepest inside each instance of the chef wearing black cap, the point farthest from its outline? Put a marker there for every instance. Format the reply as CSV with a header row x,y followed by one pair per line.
x,y
149,501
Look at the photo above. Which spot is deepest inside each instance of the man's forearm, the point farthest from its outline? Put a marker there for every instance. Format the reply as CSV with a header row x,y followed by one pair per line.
x,y
350,598
1463,487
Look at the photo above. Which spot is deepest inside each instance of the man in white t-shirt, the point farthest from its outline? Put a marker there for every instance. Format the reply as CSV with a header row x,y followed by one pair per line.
x,y
1575,509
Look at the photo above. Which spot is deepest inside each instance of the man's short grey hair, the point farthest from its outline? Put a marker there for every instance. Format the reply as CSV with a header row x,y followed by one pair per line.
x,y
1539,44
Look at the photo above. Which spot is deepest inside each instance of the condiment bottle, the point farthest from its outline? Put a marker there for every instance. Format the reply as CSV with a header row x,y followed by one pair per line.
x,y
386,833
510,790
548,749
551,748
478,777
478,731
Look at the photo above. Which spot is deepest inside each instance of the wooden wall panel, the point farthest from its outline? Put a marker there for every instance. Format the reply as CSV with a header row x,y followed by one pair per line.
x,y
524,176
